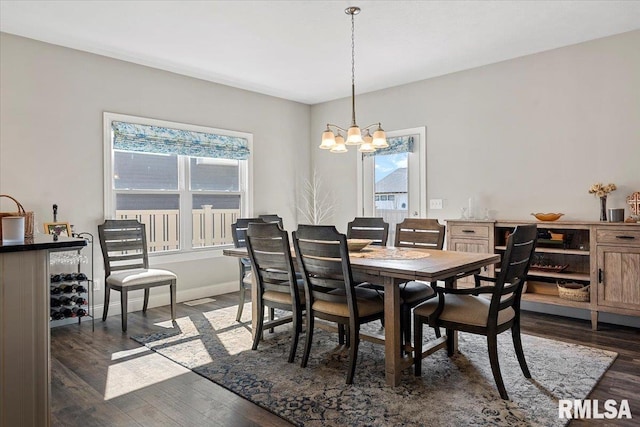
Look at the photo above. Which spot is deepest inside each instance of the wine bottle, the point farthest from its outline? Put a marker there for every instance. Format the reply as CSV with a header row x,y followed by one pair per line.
x,y
78,300
67,289
68,313
81,277
80,289
56,314
56,290
79,312
55,302
66,301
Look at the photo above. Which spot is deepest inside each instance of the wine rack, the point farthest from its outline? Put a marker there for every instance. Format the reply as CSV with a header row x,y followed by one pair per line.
x,y
71,285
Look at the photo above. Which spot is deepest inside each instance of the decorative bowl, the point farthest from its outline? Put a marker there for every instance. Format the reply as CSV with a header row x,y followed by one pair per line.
x,y
356,245
547,216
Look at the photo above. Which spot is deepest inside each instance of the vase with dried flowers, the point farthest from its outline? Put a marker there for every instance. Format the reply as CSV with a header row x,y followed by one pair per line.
x,y
601,191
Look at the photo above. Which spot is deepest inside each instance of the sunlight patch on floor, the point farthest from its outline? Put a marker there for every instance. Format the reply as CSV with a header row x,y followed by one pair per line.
x,y
139,372
127,353
198,301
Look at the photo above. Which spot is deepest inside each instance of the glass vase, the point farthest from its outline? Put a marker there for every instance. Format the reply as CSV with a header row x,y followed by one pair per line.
x,y
603,208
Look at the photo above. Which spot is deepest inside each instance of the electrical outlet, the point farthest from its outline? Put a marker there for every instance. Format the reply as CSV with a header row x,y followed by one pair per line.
x,y
96,284
435,204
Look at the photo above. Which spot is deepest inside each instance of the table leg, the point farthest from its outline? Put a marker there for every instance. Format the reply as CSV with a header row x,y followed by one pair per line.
x,y
451,283
392,358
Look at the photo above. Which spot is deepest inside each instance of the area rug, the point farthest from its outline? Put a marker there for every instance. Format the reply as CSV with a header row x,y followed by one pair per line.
x,y
451,392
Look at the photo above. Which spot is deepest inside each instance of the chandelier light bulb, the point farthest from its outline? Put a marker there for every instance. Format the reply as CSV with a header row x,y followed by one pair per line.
x,y
339,146
354,136
380,138
328,140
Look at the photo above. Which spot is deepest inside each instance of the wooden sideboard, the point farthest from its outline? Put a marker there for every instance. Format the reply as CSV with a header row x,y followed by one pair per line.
x,y
604,255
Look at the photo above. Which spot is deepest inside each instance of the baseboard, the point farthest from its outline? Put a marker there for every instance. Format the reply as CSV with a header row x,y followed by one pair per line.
x,y
160,297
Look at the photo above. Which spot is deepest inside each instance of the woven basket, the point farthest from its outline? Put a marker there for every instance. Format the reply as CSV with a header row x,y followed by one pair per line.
x,y
573,291
28,217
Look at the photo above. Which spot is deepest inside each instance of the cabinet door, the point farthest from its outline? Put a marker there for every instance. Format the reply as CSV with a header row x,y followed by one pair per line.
x,y
471,245
619,277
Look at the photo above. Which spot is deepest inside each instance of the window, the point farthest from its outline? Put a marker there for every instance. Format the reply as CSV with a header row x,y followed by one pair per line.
x,y
186,183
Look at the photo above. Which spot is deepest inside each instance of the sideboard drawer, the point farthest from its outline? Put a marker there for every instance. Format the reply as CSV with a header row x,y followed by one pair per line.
x,y
618,237
469,231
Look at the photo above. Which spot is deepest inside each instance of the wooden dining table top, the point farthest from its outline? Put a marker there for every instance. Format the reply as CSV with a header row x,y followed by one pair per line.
x,y
408,263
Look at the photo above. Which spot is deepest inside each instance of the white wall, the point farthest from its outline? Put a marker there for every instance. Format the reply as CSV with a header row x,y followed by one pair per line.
x,y
526,135
51,108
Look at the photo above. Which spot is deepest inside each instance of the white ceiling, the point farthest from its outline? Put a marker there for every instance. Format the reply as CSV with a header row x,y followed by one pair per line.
x,y
301,50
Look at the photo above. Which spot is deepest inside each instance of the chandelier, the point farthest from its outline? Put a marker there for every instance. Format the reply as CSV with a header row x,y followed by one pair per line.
x,y
355,136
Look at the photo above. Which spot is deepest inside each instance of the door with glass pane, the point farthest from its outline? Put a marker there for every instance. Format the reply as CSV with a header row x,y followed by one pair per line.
x,y
393,180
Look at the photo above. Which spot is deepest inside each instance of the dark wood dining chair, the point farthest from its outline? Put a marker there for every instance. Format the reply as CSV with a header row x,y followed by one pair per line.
x,y
419,233
278,287
330,293
126,265
466,310
370,228
239,234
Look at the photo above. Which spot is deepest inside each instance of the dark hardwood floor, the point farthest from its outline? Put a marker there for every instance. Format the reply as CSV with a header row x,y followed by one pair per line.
x,y
104,378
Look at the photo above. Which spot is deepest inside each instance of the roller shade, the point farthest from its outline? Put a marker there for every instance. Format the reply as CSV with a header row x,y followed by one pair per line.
x,y
398,144
162,140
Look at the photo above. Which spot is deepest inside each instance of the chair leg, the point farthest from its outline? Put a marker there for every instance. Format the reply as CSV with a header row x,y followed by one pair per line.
x,y
308,340
172,291
124,296
340,334
272,315
105,308
146,300
450,342
240,301
417,345
353,352
436,330
258,335
405,328
492,341
517,344
295,333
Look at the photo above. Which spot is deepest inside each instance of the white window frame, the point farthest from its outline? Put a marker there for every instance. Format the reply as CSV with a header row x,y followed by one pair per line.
x,y
417,179
187,252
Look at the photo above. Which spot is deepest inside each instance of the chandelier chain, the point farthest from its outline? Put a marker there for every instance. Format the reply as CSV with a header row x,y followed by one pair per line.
x,y
353,51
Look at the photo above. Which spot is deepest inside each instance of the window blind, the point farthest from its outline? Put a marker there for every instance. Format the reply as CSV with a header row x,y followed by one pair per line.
x,y
162,140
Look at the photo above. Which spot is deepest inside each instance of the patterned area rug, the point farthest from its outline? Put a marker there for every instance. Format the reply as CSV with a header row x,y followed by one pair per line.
x,y
451,392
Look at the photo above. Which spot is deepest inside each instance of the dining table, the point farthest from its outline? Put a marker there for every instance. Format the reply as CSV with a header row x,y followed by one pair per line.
x,y
391,266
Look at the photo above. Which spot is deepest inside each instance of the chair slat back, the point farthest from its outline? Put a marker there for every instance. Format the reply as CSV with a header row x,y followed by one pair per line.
x,y
424,233
514,268
124,245
370,228
323,258
239,231
271,261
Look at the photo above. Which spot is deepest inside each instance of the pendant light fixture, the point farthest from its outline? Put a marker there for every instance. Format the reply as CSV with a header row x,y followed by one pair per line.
x,y
355,135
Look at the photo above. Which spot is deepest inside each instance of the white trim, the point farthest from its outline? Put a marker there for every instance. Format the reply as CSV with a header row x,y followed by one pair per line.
x,y
160,297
